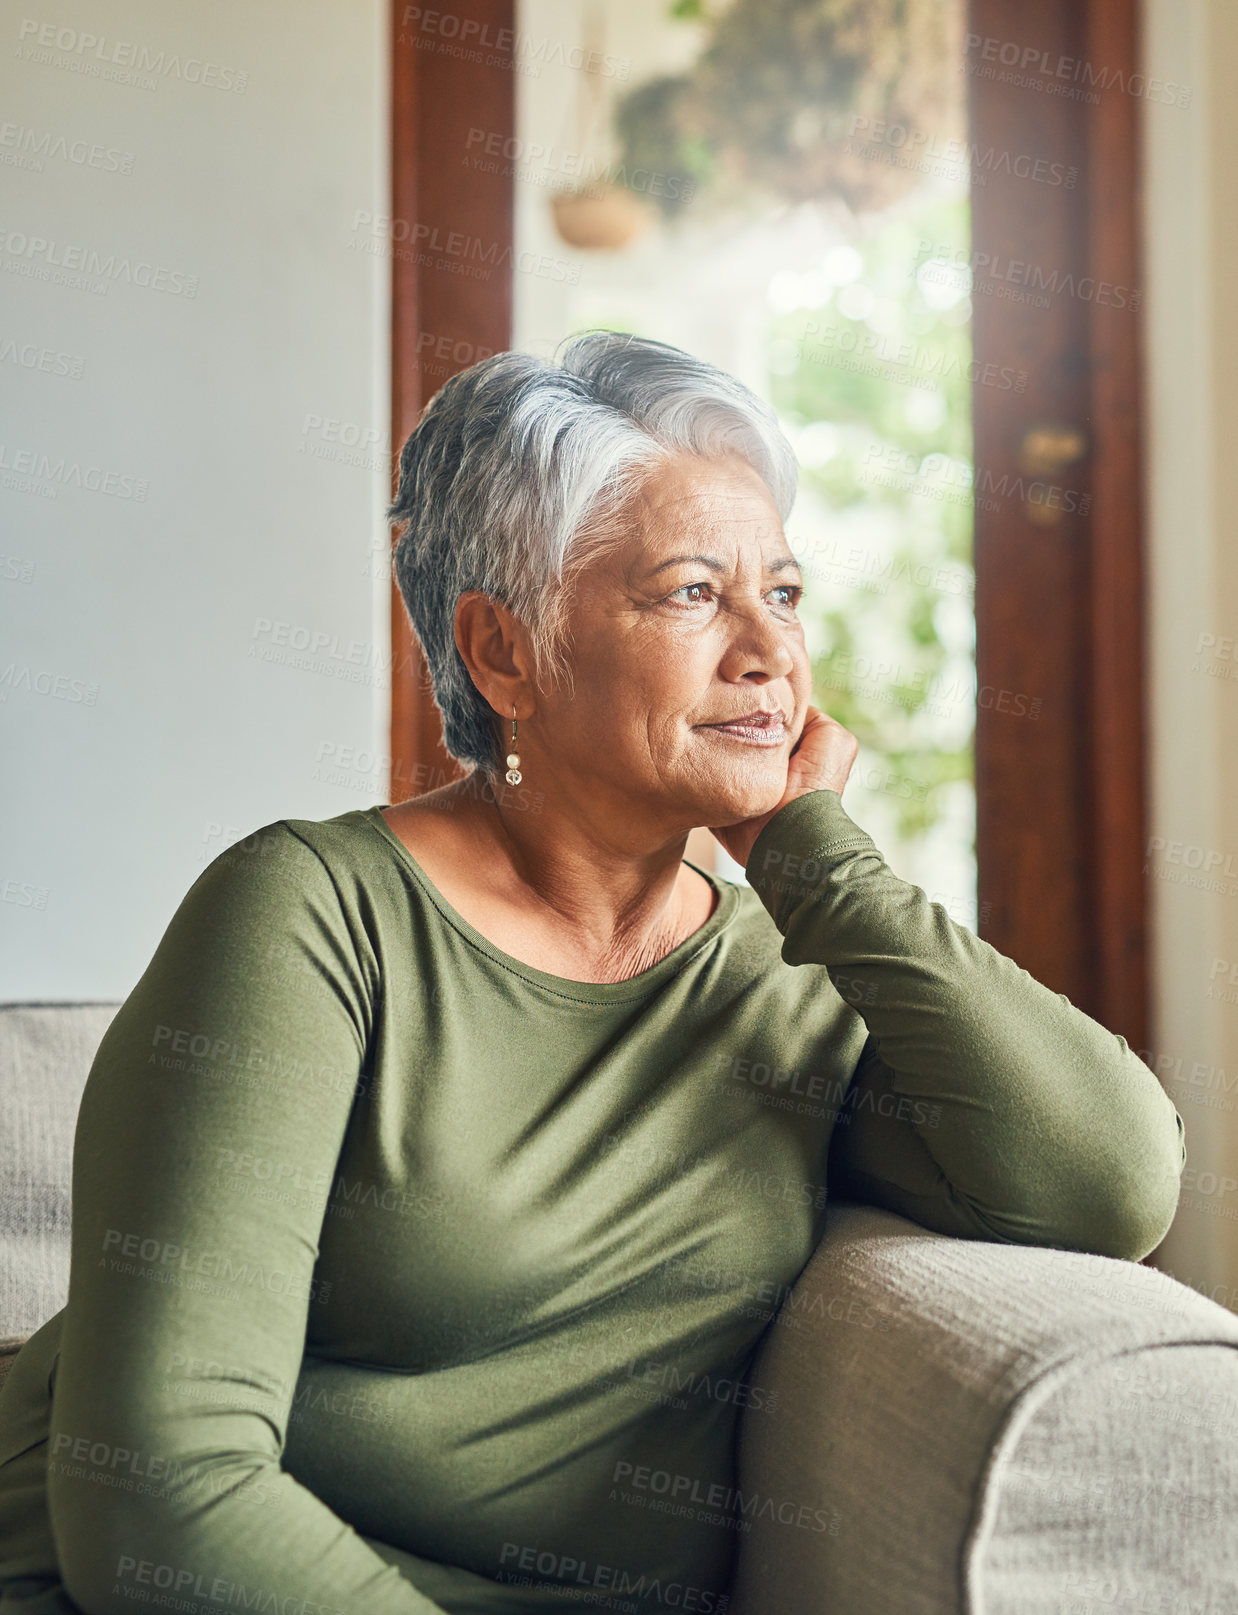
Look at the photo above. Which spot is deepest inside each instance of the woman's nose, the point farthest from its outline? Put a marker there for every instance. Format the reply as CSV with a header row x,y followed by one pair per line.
x,y
757,644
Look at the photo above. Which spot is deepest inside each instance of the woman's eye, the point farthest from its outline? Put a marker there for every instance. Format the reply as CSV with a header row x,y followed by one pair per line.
x,y
692,594
786,596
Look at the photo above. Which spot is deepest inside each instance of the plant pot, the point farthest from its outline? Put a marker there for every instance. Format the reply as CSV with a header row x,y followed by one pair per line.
x,y
601,218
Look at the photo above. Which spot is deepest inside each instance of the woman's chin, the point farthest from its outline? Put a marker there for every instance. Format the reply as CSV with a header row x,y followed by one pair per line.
x,y
739,800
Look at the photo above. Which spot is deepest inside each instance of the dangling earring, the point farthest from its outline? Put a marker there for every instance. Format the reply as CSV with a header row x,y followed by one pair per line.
x,y
514,775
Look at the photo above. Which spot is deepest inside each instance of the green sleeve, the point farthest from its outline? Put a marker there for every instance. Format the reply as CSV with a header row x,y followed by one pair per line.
x,y
209,1131
983,1104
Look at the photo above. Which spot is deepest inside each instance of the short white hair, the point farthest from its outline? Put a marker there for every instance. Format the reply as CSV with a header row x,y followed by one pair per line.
x,y
512,477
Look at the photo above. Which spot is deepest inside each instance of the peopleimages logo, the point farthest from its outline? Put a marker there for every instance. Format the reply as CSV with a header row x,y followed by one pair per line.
x,y
468,39
32,357
945,265
66,473
559,1572
32,147
44,682
56,261
94,54
979,161
687,1489
538,163
850,347
451,251
1034,67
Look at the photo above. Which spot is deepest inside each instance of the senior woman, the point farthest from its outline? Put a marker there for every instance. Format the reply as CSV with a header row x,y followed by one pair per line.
x,y
424,1198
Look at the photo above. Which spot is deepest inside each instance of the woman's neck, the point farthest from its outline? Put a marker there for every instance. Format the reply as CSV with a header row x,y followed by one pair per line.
x,y
549,892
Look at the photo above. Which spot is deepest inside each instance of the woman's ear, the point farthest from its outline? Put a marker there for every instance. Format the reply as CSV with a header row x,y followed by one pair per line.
x,y
494,648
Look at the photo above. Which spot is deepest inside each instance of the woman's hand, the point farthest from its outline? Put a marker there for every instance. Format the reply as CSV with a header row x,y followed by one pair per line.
x,y
820,760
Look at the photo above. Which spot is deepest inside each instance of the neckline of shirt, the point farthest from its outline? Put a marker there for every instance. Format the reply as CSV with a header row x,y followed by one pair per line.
x,y
581,992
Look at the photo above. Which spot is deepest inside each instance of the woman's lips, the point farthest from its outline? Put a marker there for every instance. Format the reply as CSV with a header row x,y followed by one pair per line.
x,y
757,729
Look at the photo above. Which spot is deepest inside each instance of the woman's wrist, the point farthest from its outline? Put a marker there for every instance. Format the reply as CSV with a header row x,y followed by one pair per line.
x,y
800,835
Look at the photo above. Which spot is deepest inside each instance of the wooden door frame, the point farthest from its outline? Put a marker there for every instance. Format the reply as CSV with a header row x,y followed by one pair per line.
x,y
1062,800
452,73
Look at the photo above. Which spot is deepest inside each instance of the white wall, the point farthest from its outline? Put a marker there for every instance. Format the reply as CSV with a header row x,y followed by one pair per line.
x,y
222,152
1191,247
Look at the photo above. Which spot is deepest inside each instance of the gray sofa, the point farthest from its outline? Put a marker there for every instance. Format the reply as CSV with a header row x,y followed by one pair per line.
x,y
954,1425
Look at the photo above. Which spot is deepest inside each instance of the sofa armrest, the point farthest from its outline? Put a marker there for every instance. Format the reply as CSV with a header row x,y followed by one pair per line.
x,y
961,1425
10,1345
46,1051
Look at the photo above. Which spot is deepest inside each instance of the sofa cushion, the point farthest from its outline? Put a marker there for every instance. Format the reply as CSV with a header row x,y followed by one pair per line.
x,y
935,1413
46,1051
1115,1491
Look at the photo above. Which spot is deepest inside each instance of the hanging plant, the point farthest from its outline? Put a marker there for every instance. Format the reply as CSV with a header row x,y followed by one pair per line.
x,y
806,99
599,215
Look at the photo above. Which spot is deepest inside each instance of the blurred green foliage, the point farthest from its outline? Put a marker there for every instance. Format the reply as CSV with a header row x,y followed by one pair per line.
x,y
779,89
899,400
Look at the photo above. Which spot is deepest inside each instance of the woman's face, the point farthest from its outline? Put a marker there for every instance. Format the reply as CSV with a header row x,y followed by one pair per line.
x,y
689,624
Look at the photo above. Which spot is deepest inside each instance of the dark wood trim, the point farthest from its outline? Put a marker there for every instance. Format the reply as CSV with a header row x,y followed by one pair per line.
x,y
447,216
1119,695
1059,605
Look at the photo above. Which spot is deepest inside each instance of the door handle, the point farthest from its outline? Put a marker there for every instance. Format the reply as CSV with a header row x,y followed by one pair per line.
x,y
1046,451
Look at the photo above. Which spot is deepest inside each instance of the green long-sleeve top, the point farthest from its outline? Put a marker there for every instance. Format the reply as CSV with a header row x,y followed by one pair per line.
x,y
407,1277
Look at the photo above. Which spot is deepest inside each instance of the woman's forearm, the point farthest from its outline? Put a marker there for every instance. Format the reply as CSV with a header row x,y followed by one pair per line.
x,y
1033,1122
